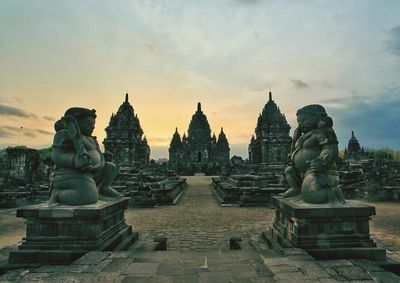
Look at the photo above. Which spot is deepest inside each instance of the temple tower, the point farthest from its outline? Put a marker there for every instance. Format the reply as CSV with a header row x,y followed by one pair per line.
x,y
271,144
199,151
125,140
353,150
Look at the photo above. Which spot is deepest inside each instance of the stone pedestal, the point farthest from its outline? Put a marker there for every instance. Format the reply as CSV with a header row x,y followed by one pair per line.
x,y
62,233
326,231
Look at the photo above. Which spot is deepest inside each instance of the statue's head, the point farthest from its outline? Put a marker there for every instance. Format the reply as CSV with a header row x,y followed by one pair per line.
x,y
313,116
86,119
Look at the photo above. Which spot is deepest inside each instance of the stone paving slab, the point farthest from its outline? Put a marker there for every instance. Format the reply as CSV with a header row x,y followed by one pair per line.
x,y
142,269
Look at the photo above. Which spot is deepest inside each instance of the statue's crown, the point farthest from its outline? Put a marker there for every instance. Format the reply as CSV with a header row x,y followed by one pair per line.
x,y
315,109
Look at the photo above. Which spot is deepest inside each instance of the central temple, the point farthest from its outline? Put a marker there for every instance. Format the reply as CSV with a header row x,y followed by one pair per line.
x,y
199,152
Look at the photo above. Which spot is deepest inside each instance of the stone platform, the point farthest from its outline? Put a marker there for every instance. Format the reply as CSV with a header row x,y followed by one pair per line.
x,y
61,234
325,231
244,190
166,192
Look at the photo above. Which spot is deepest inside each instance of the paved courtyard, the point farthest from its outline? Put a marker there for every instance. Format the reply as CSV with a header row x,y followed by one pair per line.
x,y
198,232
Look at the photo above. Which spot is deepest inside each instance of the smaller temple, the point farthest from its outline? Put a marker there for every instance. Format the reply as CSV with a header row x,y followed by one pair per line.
x,y
199,152
125,140
271,145
353,150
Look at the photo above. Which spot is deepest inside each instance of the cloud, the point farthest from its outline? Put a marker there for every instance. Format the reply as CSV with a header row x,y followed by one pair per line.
x,y
29,134
44,132
13,129
48,118
9,131
299,84
248,2
374,119
393,43
6,110
5,134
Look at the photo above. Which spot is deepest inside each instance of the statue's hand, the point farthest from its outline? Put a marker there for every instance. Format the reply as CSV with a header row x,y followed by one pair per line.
x,y
316,164
81,161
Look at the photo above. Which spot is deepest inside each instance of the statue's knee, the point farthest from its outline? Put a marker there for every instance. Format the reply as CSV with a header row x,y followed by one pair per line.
x,y
110,169
289,171
77,193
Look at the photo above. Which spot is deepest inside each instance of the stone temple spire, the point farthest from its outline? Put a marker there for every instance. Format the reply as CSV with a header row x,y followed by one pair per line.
x,y
176,139
270,96
122,127
222,143
199,106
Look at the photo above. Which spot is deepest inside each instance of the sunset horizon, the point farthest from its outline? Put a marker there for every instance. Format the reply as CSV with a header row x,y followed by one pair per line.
x,y
169,56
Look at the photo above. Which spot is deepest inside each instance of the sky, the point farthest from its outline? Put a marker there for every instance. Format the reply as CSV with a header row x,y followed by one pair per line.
x,y
169,55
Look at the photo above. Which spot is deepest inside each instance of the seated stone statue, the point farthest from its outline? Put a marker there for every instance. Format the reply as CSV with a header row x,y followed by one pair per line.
x,y
80,173
312,170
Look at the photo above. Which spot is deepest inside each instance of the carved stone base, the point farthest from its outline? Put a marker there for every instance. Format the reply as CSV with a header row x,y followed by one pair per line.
x,y
326,231
228,194
156,196
61,234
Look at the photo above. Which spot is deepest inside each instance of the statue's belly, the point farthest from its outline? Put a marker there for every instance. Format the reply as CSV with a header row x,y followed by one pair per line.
x,y
301,157
96,160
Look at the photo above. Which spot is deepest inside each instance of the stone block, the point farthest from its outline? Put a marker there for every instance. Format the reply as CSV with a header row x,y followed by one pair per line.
x,y
326,231
352,272
61,234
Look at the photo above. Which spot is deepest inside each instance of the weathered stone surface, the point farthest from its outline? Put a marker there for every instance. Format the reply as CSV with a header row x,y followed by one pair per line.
x,y
142,268
61,234
325,230
92,258
367,265
244,190
283,268
352,272
385,277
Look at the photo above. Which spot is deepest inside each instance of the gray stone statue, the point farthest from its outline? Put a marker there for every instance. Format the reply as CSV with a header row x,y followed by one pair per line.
x,y
312,172
80,173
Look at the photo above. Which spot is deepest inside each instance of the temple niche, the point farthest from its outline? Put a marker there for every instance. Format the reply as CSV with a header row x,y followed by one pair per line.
x,y
125,140
353,150
199,152
271,145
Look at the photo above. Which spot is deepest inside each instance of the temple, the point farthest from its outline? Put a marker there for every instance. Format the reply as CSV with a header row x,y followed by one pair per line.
x,y
199,152
271,145
353,150
125,139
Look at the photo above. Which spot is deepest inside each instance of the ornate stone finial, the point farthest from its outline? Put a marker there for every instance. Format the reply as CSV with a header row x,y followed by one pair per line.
x,y
222,129
270,96
176,129
352,134
198,106
126,97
